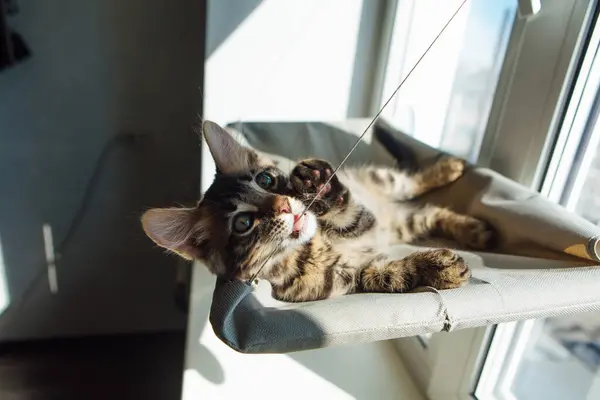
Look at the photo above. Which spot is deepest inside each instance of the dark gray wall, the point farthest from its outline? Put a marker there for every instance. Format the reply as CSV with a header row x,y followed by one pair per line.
x,y
98,68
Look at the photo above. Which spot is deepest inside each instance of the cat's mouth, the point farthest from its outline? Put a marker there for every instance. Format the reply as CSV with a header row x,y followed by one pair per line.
x,y
299,221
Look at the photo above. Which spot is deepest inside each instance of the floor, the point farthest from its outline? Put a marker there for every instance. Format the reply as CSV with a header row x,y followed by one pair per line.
x,y
148,366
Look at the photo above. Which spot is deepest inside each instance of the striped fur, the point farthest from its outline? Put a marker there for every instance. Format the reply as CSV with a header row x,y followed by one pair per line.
x,y
339,246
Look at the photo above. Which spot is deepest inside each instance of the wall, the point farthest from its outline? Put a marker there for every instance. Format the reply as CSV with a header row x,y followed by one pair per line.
x,y
293,60
98,69
284,60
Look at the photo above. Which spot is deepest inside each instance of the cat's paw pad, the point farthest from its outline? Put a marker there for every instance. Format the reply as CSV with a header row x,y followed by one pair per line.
x,y
478,235
445,269
313,177
452,168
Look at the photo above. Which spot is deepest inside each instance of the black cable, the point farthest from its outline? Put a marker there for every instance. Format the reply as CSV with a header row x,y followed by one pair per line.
x,y
85,199
62,247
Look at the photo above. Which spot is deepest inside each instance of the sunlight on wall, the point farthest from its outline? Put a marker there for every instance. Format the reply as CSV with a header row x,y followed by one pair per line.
x,y
420,106
4,295
288,60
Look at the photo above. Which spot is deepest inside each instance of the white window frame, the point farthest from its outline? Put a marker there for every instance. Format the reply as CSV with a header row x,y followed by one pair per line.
x,y
573,128
510,340
528,109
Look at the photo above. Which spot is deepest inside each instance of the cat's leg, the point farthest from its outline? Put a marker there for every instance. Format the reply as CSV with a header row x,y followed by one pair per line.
x,y
338,214
437,221
441,173
404,185
334,280
439,268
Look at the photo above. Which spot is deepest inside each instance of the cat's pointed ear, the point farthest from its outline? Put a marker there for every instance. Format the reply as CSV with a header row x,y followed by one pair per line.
x,y
174,229
230,156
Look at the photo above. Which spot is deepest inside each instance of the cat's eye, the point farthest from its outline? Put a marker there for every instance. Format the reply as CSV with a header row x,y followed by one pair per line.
x,y
265,180
243,222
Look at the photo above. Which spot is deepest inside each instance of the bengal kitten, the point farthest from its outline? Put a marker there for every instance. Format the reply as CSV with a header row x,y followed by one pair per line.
x,y
252,215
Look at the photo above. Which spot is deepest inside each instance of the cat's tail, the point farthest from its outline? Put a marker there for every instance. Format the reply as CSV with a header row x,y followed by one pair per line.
x,y
414,176
387,135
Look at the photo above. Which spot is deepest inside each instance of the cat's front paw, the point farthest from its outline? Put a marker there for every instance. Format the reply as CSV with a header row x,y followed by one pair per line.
x,y
441,269
311,178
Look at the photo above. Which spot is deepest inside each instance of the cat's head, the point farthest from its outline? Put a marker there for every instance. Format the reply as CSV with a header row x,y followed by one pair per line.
x,y
246,216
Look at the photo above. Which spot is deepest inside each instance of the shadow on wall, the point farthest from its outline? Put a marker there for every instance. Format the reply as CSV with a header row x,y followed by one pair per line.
x,y
230,14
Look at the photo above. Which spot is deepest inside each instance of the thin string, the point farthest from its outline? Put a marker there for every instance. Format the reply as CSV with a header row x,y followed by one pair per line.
x,y
384,106
367,128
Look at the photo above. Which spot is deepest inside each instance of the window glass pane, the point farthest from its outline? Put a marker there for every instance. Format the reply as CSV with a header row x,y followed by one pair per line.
x,y
559,358
562,361
587,204
446,101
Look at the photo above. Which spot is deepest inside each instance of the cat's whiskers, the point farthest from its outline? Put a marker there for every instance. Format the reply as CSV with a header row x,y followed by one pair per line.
x,y
272,238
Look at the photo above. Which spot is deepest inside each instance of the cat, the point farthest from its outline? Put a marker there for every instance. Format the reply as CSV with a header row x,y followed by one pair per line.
x,y
251,217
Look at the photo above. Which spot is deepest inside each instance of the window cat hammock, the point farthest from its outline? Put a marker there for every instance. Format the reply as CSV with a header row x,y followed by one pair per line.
x,y
549,263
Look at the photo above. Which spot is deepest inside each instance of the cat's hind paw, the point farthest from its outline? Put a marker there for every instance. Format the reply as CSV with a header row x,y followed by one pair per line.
x,y
450,169
477,235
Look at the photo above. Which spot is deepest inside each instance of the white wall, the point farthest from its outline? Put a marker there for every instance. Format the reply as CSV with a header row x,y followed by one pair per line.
x,y
285,60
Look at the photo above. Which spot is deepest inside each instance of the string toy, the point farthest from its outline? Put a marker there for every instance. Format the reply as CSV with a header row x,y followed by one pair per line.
x,y
390,98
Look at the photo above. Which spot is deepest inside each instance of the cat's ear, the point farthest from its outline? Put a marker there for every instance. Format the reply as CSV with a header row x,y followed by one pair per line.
x,y
174,229
230,156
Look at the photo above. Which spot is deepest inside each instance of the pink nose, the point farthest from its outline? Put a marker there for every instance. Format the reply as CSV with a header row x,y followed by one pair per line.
x,y
281,205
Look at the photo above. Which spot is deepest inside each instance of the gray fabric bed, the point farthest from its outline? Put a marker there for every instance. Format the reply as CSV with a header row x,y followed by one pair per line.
x,y
547,262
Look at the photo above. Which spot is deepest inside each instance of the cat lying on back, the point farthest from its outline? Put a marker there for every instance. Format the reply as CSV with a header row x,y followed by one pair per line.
x,y
252,214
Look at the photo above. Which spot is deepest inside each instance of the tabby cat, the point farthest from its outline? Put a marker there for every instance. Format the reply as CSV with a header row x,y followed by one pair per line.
x,y
251,217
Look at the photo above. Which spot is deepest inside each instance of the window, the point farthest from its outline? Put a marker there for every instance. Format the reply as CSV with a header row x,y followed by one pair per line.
x,y
554,359
447,100
559,358
507,108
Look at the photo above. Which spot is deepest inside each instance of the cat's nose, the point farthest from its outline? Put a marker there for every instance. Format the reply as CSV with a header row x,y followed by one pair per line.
x,y
281,205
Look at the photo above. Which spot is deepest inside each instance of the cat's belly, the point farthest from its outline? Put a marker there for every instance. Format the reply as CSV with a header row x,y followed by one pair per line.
x,y
387,213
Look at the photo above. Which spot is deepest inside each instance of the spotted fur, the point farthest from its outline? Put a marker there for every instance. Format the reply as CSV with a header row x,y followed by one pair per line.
x,y
251,220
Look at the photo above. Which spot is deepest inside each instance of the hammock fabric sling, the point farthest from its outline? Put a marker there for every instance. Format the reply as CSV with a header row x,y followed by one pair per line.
x,y
547,261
